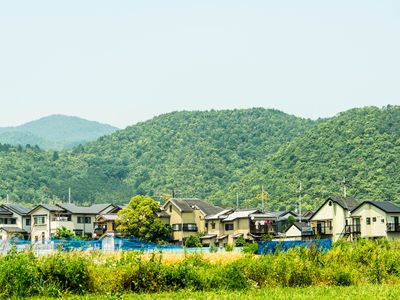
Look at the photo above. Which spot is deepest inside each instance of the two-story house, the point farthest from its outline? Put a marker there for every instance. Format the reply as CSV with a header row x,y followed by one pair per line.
x,y
46,218
14,221
187,216
375,219
330,220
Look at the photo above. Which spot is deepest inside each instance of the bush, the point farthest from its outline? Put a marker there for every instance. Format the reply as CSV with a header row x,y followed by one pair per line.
x,y
228,247
193,241
250,248
240,242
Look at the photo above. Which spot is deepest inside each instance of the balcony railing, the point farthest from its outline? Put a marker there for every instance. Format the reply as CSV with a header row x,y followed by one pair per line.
x,y
353,229
393,227
322,230
262,229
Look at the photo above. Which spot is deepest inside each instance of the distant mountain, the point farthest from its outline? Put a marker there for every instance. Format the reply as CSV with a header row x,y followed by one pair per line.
x,y
55,132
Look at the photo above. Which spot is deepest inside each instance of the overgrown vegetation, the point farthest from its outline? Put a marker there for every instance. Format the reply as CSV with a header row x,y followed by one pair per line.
x,y
365,262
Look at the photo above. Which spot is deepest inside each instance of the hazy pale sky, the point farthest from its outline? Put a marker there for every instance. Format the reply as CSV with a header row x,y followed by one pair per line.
x,y
121,62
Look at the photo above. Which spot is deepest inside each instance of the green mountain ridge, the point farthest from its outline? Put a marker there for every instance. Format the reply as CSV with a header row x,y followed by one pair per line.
x,y
55,132
216,155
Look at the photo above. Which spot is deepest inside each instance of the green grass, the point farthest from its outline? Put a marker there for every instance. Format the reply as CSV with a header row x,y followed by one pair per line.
x,y
354,292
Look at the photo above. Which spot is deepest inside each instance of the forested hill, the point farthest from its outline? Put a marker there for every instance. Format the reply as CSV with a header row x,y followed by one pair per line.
x,y
362,145
216,154
55,132
196,154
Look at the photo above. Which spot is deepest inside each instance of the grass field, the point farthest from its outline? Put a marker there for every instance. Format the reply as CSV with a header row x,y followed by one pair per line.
x,y
353,292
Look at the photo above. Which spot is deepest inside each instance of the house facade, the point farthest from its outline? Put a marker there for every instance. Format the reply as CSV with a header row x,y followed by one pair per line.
x,y
46,218
187,216
330,220
375,219
14,221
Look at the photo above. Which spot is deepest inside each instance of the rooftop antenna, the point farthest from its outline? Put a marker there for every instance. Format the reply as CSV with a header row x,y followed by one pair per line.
x,y
300,190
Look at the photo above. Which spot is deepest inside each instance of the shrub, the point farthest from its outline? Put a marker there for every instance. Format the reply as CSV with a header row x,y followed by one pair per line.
x,y
240,242
192,242
250,248
228,247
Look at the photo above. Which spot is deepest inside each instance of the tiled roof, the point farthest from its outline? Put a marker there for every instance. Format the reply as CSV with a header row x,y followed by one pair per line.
x,y
386,206
221,215
91,210
13,229
188,205
19,209
52,207
240,214
347,203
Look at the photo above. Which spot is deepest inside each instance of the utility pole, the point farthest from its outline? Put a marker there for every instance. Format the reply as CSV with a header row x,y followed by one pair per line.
x,y
300,190
344,182
262,199
8,199
69,195
237,200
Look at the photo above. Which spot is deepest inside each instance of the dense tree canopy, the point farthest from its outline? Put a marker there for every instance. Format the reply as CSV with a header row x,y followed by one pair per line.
x,y
139,219
216,155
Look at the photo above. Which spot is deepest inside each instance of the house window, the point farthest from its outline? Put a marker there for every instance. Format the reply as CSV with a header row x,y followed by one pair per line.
x,y
189,227
330,203
28,222
170,208
374,219
84,220
39,220
212,225
228,226
6,221
382,220
176,227
368,221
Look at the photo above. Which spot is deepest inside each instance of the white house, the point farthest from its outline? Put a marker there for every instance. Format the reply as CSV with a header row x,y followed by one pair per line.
x,y
14,220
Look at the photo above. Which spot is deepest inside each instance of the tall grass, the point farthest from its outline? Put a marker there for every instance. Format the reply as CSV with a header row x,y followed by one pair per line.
x,y
364,262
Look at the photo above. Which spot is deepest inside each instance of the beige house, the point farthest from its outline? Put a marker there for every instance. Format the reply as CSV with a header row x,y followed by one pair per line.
x,y
46,218
14,221
187,216
298,231
374,219
330,220
105,222
251,224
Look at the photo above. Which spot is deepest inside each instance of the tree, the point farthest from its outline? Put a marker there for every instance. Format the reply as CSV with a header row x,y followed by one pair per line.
x,y
140,220
193,241
63,233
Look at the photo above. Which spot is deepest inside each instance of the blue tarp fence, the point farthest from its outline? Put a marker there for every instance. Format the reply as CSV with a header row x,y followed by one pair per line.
x,y
271,247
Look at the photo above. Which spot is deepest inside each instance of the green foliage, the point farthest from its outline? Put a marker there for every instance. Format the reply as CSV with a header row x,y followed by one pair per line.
x,y
240,242
140,220
192,241
64,233
250,248
229,247
213,248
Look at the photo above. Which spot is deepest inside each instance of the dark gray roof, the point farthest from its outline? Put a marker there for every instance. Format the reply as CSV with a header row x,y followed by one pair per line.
x,y
347,203
300,225
4,211
386,206
188,205
17,208
163,214
51,207
91,210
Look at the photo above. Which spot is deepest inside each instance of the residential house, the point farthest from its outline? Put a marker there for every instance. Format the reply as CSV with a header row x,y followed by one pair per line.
x,y
14,221
298,231
187,216
374,219
251,224
330,219
105,222
46,218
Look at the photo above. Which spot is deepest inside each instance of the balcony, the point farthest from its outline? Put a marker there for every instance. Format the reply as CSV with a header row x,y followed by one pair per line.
x,y
393,227
259,230
322,230
57,224
352,229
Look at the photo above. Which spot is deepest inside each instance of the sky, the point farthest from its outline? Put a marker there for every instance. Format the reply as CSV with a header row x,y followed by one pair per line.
x,y
121,62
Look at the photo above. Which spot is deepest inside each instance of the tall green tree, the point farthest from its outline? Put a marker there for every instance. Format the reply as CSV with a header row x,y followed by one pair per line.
x,y
140,219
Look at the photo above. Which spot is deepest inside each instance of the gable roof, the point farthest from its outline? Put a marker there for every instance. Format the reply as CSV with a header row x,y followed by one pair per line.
x,y
189,205
241,214
221,215
49,207
299,225
345,203
13,229
386,206
17,208
278,214
91,210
